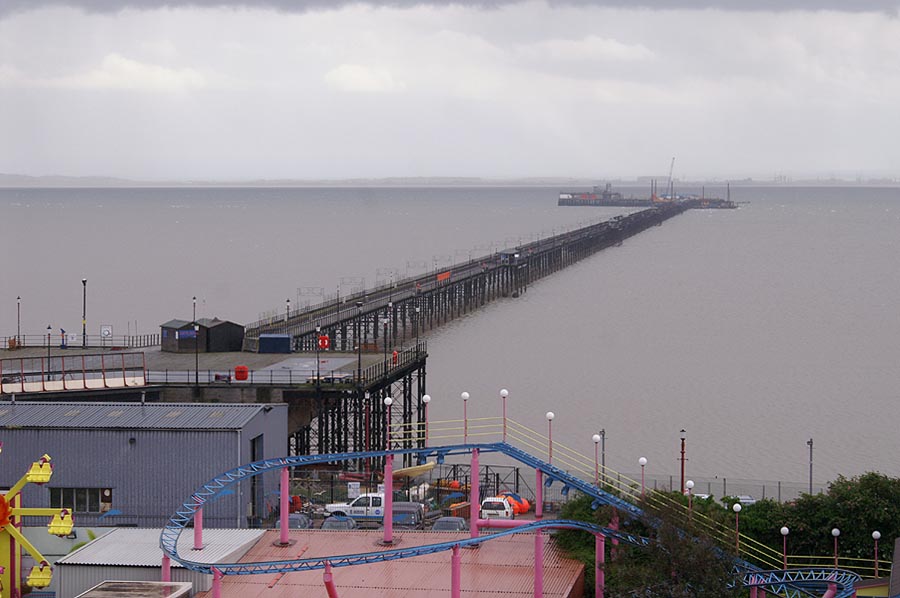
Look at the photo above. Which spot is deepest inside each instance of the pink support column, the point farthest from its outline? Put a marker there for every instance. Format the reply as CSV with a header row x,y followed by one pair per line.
x,y
166,568
538,564
539,494
328,578
762,593
832,591
474,495
388,500
198,529
455,567
217,583
283,518
599,565
754,593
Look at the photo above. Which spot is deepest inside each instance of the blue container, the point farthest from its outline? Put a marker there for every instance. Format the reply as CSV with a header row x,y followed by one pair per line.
x,y
274,343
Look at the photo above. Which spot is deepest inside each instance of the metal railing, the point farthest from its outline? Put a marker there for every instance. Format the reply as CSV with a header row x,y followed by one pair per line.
x,y
488,429
77,341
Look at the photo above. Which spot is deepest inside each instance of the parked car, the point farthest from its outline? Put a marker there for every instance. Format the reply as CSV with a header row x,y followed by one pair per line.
x,y
296,521
339,522
450,524
496,507
408,515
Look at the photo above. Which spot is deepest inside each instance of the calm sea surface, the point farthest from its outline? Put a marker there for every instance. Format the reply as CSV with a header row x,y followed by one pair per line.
x,y
754,329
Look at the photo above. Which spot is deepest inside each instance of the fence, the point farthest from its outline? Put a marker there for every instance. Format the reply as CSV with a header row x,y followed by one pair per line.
x,y
77,341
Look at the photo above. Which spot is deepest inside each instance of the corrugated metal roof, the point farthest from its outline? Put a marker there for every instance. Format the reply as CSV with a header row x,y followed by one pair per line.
x,y
176,323
139,547
501,566
202,416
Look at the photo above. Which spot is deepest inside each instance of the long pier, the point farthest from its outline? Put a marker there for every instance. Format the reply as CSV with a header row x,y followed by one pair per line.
x,y
391,315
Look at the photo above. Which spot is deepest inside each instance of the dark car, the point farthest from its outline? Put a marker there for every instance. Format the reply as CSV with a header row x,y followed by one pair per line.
x,y
296,521
450,524
339,522
408,515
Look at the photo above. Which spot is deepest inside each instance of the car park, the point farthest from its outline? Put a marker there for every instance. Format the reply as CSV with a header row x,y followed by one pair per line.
x,y
450,524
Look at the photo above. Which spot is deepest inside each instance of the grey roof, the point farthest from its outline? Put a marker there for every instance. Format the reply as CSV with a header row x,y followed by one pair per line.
x,y
152,416
139,547
205,322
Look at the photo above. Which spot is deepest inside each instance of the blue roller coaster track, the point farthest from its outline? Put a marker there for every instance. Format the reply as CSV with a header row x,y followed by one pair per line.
x,y
792,583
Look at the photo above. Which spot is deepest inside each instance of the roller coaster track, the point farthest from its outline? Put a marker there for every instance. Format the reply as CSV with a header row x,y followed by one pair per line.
x,y
793,583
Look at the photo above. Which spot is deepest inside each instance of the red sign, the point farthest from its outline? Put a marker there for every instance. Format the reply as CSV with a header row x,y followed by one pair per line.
x,y
324,341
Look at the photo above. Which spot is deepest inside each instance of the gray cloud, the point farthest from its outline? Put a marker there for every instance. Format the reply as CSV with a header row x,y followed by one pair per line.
x,y
108,6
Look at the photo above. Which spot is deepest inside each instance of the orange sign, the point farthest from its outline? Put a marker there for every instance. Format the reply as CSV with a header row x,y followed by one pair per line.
x,y
443,276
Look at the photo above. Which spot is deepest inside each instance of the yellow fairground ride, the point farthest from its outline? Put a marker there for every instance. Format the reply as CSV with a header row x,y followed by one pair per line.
x,y
11,539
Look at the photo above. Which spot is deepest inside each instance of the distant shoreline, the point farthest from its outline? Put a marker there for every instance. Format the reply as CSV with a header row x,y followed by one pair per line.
x,y
8,181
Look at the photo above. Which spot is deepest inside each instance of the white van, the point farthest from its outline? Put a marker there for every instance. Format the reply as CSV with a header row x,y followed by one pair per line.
x,y
496,507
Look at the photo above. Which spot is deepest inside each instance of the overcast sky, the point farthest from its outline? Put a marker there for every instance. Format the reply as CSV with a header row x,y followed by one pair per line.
x,y
315,90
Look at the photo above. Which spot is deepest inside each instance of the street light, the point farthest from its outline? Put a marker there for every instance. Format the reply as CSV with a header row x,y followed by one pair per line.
x,y
318,344
642,462
359,324
503,394
876,535
683,437
465,397
84,313
196,354
18,322
417,327
49,331
810,444
784,534
836,533
690,490
596,438
388,401
736,507
550,415
425,400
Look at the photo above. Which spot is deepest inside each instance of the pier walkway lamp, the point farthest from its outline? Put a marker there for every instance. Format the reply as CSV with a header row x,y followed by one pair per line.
x,y
642,462
49,331
596,439
836,534
876,535
736,507
683,438
425,400
550,415
84,313
18,322
784,534
465,399
503,394
690,492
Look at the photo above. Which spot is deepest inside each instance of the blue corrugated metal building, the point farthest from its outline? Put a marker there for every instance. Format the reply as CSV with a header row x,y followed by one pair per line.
x,y
132,464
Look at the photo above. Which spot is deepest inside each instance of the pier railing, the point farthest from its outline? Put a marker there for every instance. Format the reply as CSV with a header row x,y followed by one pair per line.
x,y
77,341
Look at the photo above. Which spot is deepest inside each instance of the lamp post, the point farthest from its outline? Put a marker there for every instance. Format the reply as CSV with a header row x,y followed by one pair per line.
x,y
196,354
809,443
18,321
388,401
736,507
835,533
690,490
359,325
417,327
287,309
876,535
390,317
49,331
318,331
503,394
596,439
642,462
683,438
465,398
425,400
84,313
550,415
784,534
603,455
